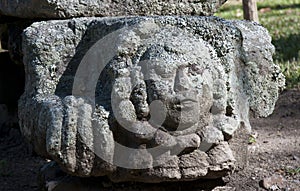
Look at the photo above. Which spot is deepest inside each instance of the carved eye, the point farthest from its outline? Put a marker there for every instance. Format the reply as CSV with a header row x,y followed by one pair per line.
x,y
195,69
165,71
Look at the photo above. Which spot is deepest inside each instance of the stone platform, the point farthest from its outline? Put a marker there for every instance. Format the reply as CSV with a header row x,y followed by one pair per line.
x,y
51,9
51,178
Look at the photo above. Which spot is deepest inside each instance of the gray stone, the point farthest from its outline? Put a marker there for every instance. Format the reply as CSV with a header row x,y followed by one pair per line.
x,y
133,98
274,182
210,136
227,125
88,8
194,165
51,178
224,188
166,171
257,61
221,158
188,142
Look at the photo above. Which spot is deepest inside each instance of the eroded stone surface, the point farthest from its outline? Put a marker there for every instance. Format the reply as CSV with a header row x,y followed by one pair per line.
x,y
80,8
51,178
145,99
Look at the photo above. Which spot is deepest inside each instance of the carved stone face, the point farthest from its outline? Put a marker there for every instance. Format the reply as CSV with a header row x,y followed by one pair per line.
x,y
165,98
169,81
155,99
181,83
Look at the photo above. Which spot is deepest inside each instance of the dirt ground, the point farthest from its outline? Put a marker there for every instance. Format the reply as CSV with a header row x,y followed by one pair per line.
x,y
274,151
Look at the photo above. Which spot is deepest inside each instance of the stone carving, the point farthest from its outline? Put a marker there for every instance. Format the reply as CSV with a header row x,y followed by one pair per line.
x,y
147,99
87,8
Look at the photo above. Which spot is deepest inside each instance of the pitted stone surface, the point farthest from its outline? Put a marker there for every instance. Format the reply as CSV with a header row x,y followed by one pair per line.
x,y
88,8
146,99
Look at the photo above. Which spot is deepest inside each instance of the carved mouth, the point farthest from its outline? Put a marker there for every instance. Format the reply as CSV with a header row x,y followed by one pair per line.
x,y
188,100
185,104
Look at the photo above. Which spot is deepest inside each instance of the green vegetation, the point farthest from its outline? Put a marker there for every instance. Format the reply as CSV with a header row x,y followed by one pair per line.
x,y
252,139
282,19
293,171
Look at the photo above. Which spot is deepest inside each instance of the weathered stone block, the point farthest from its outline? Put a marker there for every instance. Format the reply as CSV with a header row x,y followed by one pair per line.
x,y
85,8
51,178
146,99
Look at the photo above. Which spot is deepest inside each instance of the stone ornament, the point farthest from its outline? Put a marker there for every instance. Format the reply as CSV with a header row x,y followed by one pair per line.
x,y
88,8
147,99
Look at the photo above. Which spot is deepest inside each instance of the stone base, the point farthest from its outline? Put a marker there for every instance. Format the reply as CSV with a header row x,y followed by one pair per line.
x,y
51,178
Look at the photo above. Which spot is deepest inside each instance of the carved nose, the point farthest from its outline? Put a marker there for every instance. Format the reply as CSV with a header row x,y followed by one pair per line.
x,y
182,82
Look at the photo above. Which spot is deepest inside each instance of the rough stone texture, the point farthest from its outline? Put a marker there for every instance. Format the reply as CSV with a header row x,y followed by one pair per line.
x,y
273,183
224,188
86,8
146,99
14,39
51,178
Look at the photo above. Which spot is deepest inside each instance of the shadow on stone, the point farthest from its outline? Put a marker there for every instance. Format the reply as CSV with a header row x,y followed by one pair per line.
x,y
51,178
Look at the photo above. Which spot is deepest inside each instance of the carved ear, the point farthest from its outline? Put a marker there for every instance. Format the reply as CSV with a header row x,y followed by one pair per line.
x,y
262,79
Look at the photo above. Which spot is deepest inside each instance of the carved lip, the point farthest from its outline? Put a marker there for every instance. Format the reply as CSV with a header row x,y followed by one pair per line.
x,y
185,103
188,100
